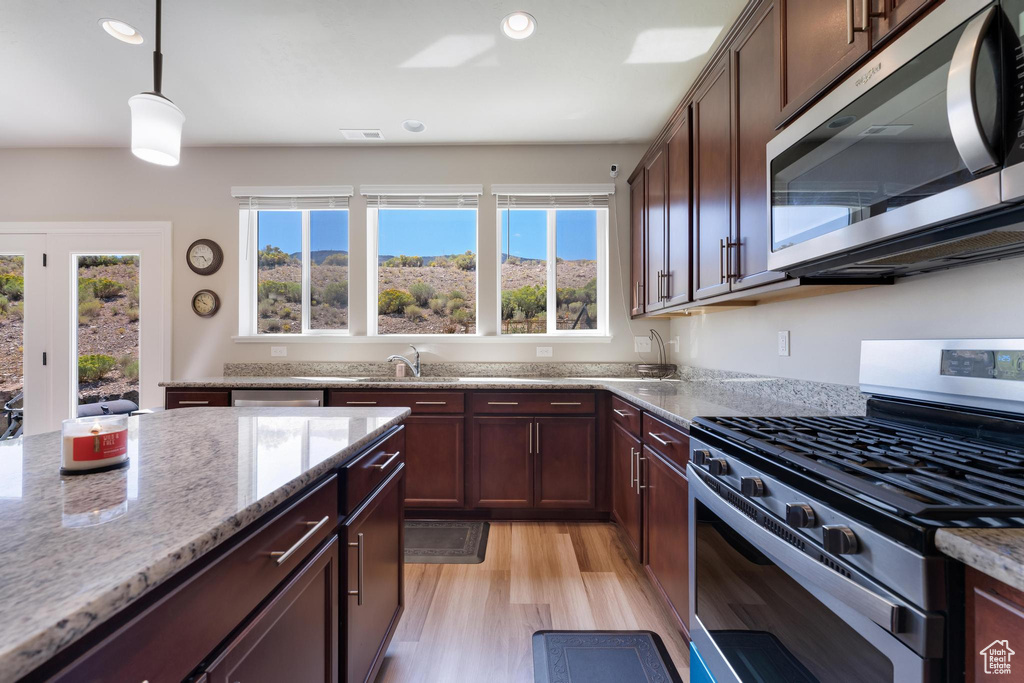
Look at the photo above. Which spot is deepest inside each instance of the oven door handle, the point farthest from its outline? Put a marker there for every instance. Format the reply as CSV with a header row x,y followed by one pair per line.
x,y
875,607
961,107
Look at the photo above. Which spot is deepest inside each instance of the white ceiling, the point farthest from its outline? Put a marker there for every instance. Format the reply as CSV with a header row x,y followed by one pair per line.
x,y
277,72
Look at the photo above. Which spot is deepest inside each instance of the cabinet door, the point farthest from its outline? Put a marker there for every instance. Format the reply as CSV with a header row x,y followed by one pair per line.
x,y
995,616
637,244
434,462
295,636
373,580
626,500
889,16
656,180
712,181
757,110
678,234
666,533
564,464
817,46
502,462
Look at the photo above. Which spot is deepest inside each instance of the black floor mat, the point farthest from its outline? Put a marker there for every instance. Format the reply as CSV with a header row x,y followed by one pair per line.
x,y
601,657
437,542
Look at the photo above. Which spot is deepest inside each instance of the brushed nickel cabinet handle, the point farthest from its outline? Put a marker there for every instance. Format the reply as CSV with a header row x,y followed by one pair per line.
x,y
639,486
384,465
361,403
358,592
503,403
621,413
566,403
659,439
529,430
193,403
431,403
538,436
721,255
632,465
282,556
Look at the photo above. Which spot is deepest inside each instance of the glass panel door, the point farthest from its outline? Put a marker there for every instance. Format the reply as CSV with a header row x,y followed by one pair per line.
x,y
22,341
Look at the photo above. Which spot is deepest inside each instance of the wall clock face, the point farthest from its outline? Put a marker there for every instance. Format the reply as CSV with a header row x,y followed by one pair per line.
x,y
205,303
205,257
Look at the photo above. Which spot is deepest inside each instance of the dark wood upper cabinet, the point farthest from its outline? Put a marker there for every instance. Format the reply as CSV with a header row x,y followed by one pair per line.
x,y
756,110
666,530
626,499
712,181
889,16
502,462
565,459
637,244
678,234
656,181
434,461
820,40
372,585
295,636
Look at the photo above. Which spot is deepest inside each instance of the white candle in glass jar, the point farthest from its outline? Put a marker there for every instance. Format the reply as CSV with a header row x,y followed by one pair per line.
x,y
92,443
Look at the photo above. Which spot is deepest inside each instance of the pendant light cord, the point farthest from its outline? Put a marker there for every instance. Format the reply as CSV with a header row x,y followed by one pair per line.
x,y
158,58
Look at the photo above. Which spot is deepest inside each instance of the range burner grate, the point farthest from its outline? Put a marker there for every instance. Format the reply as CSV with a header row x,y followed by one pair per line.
x,y
914,472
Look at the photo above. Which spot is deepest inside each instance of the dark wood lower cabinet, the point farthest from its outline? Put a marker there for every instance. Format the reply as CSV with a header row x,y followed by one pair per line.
x,y
502,467
373,539
564,448
666,529
995,617
626,500
434,461
295,636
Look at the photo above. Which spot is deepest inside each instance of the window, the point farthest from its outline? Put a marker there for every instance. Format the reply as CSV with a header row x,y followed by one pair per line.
x,y
294,256
423,259
552,262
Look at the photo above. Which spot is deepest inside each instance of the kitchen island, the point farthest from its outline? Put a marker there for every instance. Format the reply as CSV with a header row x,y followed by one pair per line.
x,y
157,564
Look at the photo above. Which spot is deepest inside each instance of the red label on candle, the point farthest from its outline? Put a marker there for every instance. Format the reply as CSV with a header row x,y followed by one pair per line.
x,y
100,446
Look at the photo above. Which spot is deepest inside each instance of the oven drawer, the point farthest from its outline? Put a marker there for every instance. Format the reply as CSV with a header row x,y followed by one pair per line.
x,y
537,403
668,440
627,416
420,402
361,477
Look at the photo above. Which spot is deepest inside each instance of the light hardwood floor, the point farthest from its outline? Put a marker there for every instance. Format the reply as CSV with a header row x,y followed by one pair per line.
x,y
474,622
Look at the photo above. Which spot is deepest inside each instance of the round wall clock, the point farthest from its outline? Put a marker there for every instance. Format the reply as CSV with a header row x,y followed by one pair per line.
x,y
205,303
205,257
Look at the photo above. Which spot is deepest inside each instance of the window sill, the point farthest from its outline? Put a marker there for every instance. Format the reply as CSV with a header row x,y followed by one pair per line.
x,y
420,338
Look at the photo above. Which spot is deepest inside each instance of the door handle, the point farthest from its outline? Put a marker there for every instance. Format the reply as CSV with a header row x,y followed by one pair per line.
x,y
193,403
283,555
431,403
961,111
529,430
566,403
639,486
632,464
620,413
361,403
721,254
358,592
384,465
538,437
503,403
659,439
851,26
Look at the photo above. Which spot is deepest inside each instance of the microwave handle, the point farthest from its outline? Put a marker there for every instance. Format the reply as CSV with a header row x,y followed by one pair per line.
x,y
876,607
961,111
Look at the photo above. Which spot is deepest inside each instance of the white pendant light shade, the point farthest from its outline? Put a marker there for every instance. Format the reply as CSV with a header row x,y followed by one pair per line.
x,y
156,129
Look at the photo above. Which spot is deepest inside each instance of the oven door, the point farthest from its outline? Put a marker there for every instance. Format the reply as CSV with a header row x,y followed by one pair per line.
x,y
765,611
911,141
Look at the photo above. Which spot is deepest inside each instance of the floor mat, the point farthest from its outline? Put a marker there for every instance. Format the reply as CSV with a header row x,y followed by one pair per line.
x,y
601,657
437,542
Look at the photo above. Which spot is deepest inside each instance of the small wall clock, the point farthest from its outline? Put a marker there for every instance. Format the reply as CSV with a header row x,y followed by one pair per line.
x,y
205,303
205,257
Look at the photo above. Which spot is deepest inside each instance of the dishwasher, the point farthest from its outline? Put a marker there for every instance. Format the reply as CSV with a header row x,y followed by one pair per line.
x,y
276,398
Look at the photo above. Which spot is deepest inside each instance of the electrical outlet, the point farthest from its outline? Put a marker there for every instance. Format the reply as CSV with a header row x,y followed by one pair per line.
x,y
784,343
278,351
642,344
544,352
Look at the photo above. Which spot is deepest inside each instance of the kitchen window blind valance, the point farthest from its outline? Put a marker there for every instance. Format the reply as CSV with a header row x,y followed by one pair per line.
x,y
581,196
317,197
422,196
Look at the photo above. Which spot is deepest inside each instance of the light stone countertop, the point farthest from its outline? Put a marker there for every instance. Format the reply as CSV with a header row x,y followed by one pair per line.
x,y
77,550
996,552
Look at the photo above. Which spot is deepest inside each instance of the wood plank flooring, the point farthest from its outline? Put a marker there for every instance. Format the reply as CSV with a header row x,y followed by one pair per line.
x,y
474,622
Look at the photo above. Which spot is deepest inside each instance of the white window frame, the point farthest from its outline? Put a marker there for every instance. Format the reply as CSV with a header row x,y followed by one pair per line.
x,y
373,286
552,283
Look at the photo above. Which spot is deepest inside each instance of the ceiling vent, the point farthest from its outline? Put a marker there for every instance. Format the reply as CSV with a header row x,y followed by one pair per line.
x,y
362,134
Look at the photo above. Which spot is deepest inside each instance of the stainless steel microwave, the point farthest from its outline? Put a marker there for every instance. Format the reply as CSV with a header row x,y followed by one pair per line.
x,y
914,162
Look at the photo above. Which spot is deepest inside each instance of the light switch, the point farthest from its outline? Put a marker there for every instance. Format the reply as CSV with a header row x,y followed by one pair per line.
x,y
641,344
784,343
278,351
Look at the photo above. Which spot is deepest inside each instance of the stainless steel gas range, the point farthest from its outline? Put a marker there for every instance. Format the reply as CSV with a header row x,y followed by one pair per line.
x,y
811,538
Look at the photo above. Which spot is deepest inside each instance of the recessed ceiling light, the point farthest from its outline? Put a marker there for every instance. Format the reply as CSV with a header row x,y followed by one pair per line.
x,y
122,31
414,126
519,25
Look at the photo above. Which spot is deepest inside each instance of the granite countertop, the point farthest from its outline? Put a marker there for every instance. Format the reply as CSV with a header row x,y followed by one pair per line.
x,y
677,401
77,550
996,552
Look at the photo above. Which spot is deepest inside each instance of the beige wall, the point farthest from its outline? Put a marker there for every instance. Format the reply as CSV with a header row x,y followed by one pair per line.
x,y
984,300
110,184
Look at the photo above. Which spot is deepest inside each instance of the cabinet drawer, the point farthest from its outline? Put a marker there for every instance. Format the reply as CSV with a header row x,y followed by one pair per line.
x,y
668,440
539,403
626,415
197,399
170,638
361,476
420,402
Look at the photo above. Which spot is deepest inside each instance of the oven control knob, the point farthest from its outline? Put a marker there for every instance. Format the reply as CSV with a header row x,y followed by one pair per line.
x,y
752,486
800,515
718,466
701,456
839,540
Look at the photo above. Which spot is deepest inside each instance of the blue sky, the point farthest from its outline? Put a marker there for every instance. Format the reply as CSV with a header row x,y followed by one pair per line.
x,y
437,231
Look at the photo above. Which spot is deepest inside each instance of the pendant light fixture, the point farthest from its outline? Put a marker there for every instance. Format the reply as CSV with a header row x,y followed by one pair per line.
x,y
156,121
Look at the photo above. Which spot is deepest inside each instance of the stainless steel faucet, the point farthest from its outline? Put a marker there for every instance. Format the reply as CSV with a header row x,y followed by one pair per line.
x,y
414,367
